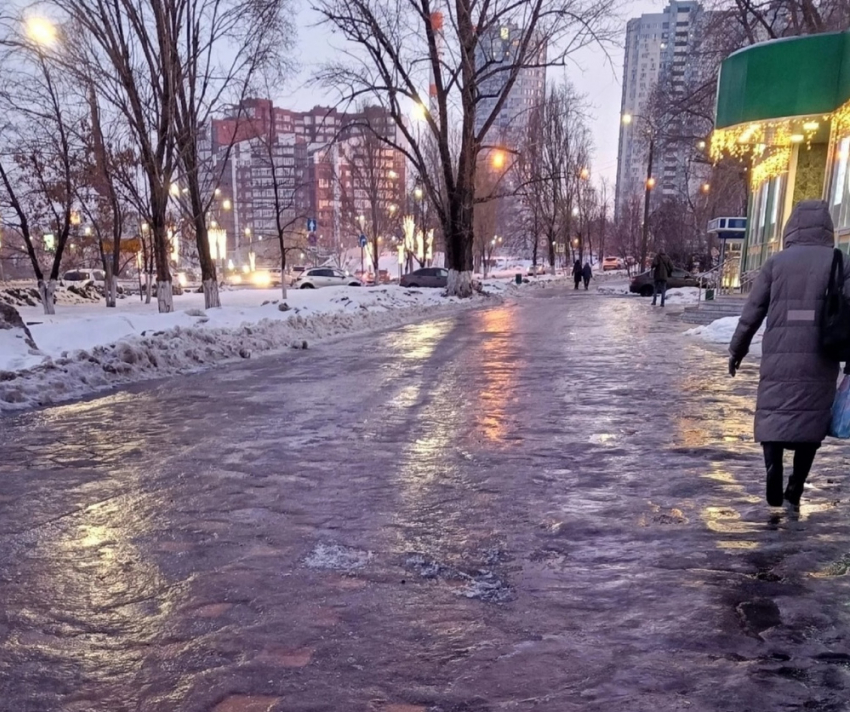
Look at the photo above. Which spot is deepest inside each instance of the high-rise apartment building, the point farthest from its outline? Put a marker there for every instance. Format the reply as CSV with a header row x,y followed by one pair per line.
x,y
273,166
496,53
660,51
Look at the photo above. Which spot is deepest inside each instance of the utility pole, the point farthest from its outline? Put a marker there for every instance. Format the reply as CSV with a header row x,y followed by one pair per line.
x,y
646,194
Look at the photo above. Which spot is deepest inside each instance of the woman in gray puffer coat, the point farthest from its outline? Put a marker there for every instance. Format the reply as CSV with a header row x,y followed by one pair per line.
x,y
797,382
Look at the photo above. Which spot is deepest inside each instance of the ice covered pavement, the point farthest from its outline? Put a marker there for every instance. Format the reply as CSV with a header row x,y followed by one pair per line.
x,y
548,505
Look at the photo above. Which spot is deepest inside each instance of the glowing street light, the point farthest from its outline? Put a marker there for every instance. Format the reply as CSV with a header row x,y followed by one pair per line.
x,y
417,193
145,227
41,31
706,187
650,183
174,190
498,159
627,119
419,112
226,204
217,192
575,211
585,173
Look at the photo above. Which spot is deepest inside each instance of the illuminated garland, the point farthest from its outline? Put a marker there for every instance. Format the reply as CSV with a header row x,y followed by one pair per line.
x,y
754,138
840,122
776,164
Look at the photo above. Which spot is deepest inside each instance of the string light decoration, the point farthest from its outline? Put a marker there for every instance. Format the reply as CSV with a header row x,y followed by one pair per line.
x,y
775,164
840,122
766,145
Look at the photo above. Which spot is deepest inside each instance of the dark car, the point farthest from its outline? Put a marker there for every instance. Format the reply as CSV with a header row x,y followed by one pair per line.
x,y
426,277
642,283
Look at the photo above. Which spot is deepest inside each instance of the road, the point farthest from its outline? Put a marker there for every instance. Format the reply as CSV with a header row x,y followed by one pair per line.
x,y
553,505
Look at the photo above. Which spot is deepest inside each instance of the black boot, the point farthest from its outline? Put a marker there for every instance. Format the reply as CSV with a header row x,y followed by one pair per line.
x,y
773,453
804,457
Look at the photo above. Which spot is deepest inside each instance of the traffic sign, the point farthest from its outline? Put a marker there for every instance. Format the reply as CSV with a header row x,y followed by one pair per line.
x,y
312,239
363,240
311,225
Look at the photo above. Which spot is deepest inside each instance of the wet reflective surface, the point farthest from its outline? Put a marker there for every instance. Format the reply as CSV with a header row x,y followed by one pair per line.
x,y
553,505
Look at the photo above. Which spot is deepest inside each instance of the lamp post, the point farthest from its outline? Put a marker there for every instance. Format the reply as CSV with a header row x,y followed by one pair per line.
x,y
627,120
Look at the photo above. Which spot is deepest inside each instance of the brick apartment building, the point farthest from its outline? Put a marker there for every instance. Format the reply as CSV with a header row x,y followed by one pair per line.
x,y
269,163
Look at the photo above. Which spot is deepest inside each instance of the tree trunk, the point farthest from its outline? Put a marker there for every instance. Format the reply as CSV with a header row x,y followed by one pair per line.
x,y
165,297
460,283
211,298
147,288
47,292
111,287
459,244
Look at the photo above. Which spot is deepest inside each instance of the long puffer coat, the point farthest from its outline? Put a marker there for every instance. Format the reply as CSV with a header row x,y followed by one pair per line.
x,y
797,382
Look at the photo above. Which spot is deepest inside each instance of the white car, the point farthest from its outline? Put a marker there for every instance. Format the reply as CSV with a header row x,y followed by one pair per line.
x,y
611,263
319,277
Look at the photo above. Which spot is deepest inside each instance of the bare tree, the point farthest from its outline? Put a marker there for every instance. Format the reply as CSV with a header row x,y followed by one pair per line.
x,y
373,188
471,53
39,152
557,167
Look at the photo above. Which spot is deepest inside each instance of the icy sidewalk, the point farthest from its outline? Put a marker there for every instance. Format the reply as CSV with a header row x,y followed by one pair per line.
x,y
83,349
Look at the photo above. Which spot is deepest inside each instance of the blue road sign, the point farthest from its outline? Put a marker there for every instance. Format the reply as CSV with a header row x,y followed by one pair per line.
x,y
363,241
311,225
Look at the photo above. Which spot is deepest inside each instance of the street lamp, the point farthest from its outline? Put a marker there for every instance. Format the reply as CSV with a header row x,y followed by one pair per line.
x,y
41,31
706,187
650,183
226,204
627,119
575,211
417,193
585,173
498,159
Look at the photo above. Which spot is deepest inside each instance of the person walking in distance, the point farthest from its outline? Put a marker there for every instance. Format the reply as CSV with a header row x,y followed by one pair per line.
x,y
797,380
662,269
577,273
587,275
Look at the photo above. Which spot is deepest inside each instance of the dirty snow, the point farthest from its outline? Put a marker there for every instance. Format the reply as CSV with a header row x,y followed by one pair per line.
x,y
85,348
334,557
721,331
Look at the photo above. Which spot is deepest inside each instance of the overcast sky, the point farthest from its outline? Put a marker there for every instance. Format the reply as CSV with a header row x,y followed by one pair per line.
x,y
593,75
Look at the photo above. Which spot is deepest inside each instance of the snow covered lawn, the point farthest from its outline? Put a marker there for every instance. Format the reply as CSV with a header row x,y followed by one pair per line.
x,y
84,348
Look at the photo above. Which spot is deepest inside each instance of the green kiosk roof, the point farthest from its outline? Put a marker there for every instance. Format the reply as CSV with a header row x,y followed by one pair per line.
x,y
798,76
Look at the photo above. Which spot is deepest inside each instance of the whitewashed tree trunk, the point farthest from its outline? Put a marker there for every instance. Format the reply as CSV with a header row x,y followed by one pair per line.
x,y
47,292
111,288
283,287
211,298
459,284
148,289
165,297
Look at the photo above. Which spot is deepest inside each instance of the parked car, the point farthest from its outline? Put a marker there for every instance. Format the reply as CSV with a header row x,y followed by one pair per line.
x,y
319,277
643,284
611,263
436,277
538,270
85,276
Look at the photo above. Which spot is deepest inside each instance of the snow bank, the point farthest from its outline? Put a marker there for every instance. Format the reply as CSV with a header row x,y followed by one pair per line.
x,y
614,289
684,295
85,349
721,331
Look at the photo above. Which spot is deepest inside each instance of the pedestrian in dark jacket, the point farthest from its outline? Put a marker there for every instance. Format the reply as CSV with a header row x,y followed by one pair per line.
x,y
797,381
577,273
586,275
662,270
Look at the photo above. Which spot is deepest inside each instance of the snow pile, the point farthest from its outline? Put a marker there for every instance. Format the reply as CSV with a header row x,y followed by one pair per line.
x,y
685,295
84,349
28,296
721,331
613,289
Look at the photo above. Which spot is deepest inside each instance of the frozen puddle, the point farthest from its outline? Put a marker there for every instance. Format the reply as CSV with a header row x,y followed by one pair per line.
x,y
482,584
334,557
